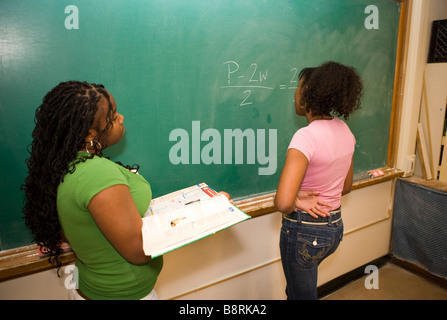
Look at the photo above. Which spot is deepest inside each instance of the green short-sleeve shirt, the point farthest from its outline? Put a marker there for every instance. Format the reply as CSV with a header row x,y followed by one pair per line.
x,y
103,272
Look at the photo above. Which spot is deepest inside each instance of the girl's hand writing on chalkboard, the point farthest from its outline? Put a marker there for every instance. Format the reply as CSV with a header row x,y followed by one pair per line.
x,y
308,201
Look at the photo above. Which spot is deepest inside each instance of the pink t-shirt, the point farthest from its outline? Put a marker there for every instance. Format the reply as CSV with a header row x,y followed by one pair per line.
x,y
329,146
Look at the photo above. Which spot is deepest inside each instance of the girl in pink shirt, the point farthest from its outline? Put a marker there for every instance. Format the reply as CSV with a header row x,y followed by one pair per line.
x,y
318,170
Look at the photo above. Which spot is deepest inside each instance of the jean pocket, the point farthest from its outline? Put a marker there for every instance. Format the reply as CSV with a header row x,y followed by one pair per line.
x,y
312,249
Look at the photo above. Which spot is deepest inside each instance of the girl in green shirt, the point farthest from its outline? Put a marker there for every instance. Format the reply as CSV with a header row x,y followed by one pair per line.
x,y
97,205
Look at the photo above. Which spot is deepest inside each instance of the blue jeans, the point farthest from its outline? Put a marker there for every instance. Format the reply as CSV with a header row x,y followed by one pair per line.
x,y
303,247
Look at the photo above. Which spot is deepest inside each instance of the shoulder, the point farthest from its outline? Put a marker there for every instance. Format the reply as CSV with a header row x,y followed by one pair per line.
x,y
339,122
97,163
304,134
90,177
99,170
336,122
343,127
304,140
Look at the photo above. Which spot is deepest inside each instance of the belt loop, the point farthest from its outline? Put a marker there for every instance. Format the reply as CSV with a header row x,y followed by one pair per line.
x,y
299,216
329,219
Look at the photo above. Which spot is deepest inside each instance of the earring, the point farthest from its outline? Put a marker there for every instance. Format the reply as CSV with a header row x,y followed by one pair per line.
x,y
91,145
302,107
100,146
86,146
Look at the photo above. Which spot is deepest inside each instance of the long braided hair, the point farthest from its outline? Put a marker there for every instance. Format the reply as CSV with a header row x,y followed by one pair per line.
x,y
62,123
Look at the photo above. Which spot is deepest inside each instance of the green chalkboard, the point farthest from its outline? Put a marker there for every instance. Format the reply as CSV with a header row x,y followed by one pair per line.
x,y
206,86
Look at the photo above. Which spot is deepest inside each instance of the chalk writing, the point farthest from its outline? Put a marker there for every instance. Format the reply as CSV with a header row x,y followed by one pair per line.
x,y
254,78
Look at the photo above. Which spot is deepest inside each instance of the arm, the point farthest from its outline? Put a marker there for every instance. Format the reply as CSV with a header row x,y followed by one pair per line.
x,y
116,214
349,179
288,196
290,181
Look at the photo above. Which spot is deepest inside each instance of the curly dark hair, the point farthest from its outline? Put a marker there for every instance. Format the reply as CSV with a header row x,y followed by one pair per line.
x,y
62,123
331,88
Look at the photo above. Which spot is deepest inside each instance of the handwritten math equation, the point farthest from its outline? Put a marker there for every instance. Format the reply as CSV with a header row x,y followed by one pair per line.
x,y
253,78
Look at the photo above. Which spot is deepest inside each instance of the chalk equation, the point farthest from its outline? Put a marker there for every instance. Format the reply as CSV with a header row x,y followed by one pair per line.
x,y
254,78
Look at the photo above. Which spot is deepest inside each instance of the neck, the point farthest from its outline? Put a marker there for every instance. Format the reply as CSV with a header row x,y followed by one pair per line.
x,y
311,117
88,149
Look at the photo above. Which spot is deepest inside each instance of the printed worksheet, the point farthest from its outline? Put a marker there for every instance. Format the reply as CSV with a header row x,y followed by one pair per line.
x,y
185,216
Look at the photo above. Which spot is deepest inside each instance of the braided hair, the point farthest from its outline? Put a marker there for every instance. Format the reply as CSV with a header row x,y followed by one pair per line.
x,y
331,88
62,123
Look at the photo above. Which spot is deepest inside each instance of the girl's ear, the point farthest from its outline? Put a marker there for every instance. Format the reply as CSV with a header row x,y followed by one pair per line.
x,y
91,135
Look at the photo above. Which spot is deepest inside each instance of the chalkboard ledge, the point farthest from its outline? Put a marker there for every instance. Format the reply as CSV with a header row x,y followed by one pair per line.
x,y
25,260
388,174
260,205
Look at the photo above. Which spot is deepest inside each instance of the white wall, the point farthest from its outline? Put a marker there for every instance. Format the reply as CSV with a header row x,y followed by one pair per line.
x,y
412,91
422,15
436,95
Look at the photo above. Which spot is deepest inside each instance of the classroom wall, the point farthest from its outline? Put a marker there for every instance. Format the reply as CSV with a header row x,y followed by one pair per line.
x,y
243,262
434,99
422,15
